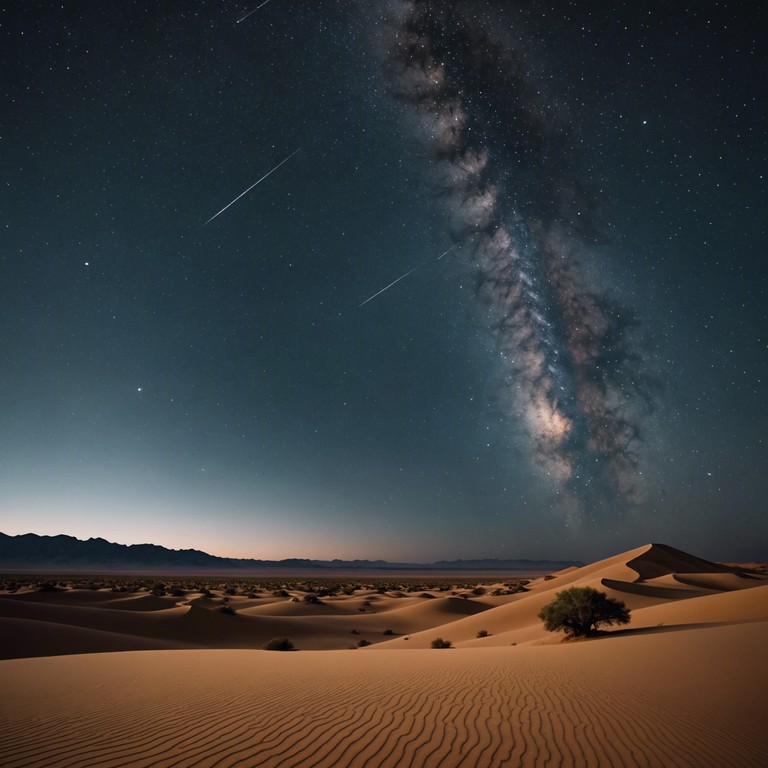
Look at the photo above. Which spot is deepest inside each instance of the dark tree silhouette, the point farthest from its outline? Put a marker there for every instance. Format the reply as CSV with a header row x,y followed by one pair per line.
x,y
579,611
279,644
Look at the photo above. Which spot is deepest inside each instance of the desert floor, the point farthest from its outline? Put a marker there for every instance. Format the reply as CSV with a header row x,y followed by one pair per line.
x,y
96,677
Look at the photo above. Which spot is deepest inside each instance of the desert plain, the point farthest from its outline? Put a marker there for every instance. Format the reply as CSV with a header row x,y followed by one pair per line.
x,y
172,672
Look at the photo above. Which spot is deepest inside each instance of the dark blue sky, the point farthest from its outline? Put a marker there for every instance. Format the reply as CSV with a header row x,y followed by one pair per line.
x,y
220,387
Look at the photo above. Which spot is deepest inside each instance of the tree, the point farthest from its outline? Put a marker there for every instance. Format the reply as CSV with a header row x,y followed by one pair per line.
x,y
579,611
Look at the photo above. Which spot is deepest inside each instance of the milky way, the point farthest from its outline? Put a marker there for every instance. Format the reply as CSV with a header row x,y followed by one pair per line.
x,y
504,164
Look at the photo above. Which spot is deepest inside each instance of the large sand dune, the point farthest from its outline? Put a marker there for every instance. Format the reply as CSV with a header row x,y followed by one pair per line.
x,y
683,685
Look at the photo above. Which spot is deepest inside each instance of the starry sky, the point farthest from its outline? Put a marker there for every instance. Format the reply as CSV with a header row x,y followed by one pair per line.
x,y
573,363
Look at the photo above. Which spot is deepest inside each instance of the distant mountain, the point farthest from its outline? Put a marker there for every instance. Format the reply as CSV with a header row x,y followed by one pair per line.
x,y
29,551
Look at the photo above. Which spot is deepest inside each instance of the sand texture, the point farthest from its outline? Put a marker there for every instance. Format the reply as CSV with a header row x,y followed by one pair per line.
x,y
683,685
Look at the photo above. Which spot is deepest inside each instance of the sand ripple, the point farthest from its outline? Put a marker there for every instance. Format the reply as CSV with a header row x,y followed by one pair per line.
x,y
471,708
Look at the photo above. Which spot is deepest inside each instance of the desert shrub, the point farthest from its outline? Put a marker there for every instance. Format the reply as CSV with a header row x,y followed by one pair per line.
x,y
280,593
363,642
312,599
483,633
477,591
389,632
228,609
579,611
279,644
438,642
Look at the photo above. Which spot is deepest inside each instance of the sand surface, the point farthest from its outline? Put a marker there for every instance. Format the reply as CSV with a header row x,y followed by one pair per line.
x,y
164,681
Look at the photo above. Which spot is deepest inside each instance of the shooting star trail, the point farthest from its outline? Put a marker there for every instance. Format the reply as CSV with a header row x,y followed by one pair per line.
x,y
256,183
402,277
386,288
243,18
445,253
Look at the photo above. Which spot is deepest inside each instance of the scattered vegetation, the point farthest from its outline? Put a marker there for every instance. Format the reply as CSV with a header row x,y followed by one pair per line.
x,y
580,611
363,642
438,642
483,633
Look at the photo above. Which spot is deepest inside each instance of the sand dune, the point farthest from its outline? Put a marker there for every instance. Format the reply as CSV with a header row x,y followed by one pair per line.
x,y
680,686
514,706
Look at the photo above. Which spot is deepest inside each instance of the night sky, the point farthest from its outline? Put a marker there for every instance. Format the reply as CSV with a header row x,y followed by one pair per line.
x,y
573,363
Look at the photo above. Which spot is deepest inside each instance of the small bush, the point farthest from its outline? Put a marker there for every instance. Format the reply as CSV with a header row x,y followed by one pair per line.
x,y
279,644
389,632
363,642
483,633
228,609
438,642
280,593
312,599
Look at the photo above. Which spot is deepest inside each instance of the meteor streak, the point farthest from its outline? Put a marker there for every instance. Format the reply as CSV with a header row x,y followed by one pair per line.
x,y
243,18
256,183
386,288
444,253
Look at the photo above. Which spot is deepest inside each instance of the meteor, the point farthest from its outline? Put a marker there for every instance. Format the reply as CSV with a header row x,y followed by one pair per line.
x,y
256,183
445,253
386,288
243,18
402,277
